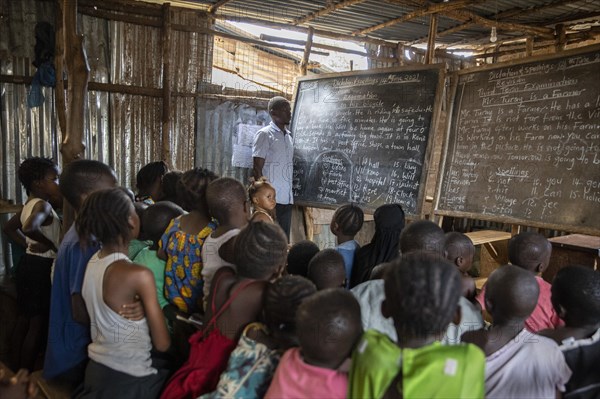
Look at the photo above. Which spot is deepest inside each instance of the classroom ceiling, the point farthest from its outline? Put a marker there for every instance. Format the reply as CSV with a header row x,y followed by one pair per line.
x,y
460,22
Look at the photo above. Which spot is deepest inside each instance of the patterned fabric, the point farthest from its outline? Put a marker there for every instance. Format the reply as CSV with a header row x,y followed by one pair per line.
x,y
249,371
183,278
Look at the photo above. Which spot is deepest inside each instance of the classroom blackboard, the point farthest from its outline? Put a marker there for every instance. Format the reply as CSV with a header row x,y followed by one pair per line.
x,y
363,137
523,145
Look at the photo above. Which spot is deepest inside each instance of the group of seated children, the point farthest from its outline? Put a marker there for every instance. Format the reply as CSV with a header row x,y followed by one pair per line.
x,y
216,304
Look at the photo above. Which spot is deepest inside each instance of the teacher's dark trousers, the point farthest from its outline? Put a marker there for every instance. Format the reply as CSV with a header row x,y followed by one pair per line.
x,y
284,217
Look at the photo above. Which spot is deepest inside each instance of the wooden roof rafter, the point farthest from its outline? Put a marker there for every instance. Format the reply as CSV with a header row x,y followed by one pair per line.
x,y
212,9
544,32
433,8
325,10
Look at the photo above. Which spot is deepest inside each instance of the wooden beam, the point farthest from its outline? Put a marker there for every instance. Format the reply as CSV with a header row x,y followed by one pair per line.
x,y
430,9
461,15
561,37
166,80
431,40
445,32
317,32
212,9
197,29
59,62
120,16
529,10
325,10
529,47
78,72
306,55
270,38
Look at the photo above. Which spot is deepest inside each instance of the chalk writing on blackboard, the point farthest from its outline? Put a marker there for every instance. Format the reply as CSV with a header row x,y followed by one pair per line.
x,y
524,143
363,138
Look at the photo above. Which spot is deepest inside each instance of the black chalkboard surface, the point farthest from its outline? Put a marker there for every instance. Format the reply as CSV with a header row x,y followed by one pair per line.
x,y
363,137
523,145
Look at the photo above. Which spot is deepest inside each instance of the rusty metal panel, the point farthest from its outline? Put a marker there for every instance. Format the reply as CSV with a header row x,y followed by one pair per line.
x,y
217,123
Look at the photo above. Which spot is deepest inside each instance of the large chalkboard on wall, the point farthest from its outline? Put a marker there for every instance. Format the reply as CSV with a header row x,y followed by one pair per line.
x,y
524,144
364,137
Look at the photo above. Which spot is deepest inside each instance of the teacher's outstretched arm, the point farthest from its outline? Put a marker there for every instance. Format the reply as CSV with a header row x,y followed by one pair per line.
x,y
257,167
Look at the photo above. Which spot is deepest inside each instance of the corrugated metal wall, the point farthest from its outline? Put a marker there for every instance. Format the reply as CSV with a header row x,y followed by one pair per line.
x,y
217,124
123,130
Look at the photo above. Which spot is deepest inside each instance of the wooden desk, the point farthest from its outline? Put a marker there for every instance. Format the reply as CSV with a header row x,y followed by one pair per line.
x,y
494,249
574,249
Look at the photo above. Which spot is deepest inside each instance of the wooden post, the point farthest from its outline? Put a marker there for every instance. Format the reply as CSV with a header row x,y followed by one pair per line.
x,y
78,72
400,54
561,37
166,108
431,40
59,62
306,55
71,56
529,47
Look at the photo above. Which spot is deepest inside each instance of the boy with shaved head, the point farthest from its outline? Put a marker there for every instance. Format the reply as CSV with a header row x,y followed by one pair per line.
x,y
518,363
531,252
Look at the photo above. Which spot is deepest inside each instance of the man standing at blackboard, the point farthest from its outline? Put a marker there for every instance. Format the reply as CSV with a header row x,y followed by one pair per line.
x,y
272,154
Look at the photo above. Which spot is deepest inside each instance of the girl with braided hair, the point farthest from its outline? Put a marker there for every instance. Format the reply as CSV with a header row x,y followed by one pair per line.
x,y
253,362
38,227
120,352
236,300
422,297
182,242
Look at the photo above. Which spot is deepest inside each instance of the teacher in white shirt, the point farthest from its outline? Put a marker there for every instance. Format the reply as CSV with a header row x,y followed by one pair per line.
x,y
272,153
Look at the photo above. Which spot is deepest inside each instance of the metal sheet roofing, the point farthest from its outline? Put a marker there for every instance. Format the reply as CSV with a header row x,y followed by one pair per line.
x,y
364,14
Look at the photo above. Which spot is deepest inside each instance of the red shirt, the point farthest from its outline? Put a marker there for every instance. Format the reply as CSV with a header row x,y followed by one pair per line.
x,y
543,316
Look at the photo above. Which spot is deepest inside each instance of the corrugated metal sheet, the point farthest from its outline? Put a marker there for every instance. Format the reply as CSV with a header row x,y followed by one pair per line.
x,y
372,12
217,123
122,130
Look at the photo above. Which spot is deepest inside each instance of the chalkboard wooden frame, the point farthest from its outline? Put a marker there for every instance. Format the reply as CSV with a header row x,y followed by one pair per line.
x,y
433,130
449,125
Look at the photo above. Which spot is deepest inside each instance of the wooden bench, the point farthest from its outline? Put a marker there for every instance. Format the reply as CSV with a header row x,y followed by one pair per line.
x,y
494,251
573,249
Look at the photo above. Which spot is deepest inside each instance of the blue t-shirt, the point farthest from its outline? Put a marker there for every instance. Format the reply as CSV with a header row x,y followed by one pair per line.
x,y
347,250
67,339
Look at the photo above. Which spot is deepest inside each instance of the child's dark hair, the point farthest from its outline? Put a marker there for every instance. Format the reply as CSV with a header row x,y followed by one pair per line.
x,y
458,244
104,216
169,185
282,299
191,189
299,257
156,219
422,235
148,174
513,293
329,325
325,266
34,169
260,248
577,290
81,177
528,250
258,185
223,195
349,219
276,103
422,292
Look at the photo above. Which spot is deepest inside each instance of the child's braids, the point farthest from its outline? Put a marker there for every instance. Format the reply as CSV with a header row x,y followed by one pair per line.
x,y
349,218
104,216
260,248
282,299
191,189
422,292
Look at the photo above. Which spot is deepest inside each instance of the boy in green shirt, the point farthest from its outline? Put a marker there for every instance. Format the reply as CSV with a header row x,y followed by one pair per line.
x,y
422,292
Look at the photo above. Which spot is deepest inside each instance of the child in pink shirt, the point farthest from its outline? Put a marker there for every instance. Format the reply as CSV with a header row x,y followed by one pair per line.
x,y
329,326
531,251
